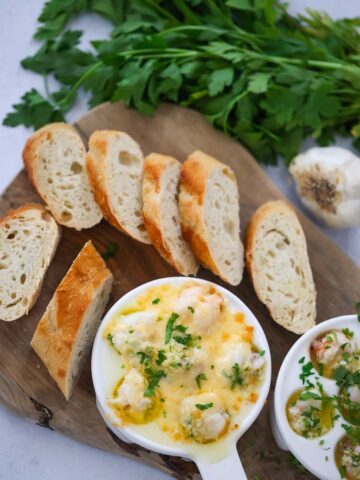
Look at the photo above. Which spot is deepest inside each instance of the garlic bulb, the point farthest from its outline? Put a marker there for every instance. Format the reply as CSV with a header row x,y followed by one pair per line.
x,y
328,183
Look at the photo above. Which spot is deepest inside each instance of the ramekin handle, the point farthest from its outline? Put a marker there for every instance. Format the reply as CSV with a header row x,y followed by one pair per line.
x,y
229,467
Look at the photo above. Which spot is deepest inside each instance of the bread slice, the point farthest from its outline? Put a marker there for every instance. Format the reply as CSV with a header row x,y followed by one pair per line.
x,y
65,332
28,239
115,166
161,212
54,157
278,263
209,214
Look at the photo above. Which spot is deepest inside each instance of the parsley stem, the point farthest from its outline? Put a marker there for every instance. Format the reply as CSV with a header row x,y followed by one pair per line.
x,y
187,12
80,81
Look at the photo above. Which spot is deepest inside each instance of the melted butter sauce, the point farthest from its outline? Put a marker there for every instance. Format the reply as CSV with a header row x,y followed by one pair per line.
x,y
229,330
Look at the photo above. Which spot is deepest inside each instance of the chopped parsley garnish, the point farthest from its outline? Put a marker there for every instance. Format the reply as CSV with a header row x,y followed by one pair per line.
x,y
154,377
235,377
110,251
357,306
306,371
203,406
307,395
342,471
353,433
110,337
262,353
345,378
155,301
302,359
191,309
180,328
161,357
201,377
145,357
170,326
348,333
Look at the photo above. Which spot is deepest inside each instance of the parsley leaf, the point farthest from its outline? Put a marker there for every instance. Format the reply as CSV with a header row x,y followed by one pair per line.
x,y
33,110
258,73
110,251
203,406
169,326
154,377
161,357
155,301
235,377
199,378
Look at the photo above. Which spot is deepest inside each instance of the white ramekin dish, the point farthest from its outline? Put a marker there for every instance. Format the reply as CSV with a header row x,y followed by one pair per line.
x,y
214,460
316,454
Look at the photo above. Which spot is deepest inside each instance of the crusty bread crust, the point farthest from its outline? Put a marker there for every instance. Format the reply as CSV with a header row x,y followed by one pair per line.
x,y
29,151
256,219
154,166
194,175
277,207
57,331
12,214
96,164
30,158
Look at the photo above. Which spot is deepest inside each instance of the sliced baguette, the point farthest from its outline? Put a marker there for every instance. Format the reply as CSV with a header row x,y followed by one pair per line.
x,y
209,214
54,157
161,212
29,237
278,264
65,333
115,166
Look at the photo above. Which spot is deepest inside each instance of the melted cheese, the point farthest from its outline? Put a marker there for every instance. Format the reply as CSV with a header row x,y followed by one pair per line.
x,y
189,362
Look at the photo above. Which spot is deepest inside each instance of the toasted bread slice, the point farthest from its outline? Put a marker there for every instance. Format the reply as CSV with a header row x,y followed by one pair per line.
x,y
115,166
29,237
54,157
161,212
65,333
209,214
278,263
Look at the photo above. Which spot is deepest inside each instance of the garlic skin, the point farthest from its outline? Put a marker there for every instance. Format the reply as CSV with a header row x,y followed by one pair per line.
x,y
328,183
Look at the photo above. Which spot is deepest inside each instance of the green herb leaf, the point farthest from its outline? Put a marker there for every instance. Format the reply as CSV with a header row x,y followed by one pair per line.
x,y
348,333
169,326
161,357
260,74
155,301
33,110
235,377
110,251
154,377
199,378
204,406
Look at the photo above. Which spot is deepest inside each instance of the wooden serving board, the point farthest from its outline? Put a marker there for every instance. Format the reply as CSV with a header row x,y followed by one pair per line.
x,y
25,386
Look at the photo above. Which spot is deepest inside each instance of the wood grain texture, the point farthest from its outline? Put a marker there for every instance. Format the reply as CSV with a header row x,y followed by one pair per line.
x,y
26,387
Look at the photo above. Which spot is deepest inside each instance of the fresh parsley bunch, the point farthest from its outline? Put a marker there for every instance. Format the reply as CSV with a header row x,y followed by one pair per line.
x,y
265,77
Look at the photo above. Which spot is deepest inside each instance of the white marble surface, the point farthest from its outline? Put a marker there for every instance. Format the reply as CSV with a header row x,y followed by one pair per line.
x,y
26,451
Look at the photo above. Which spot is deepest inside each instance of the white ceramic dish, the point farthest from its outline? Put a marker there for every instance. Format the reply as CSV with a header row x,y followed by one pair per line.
x,y
214,460
309,452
